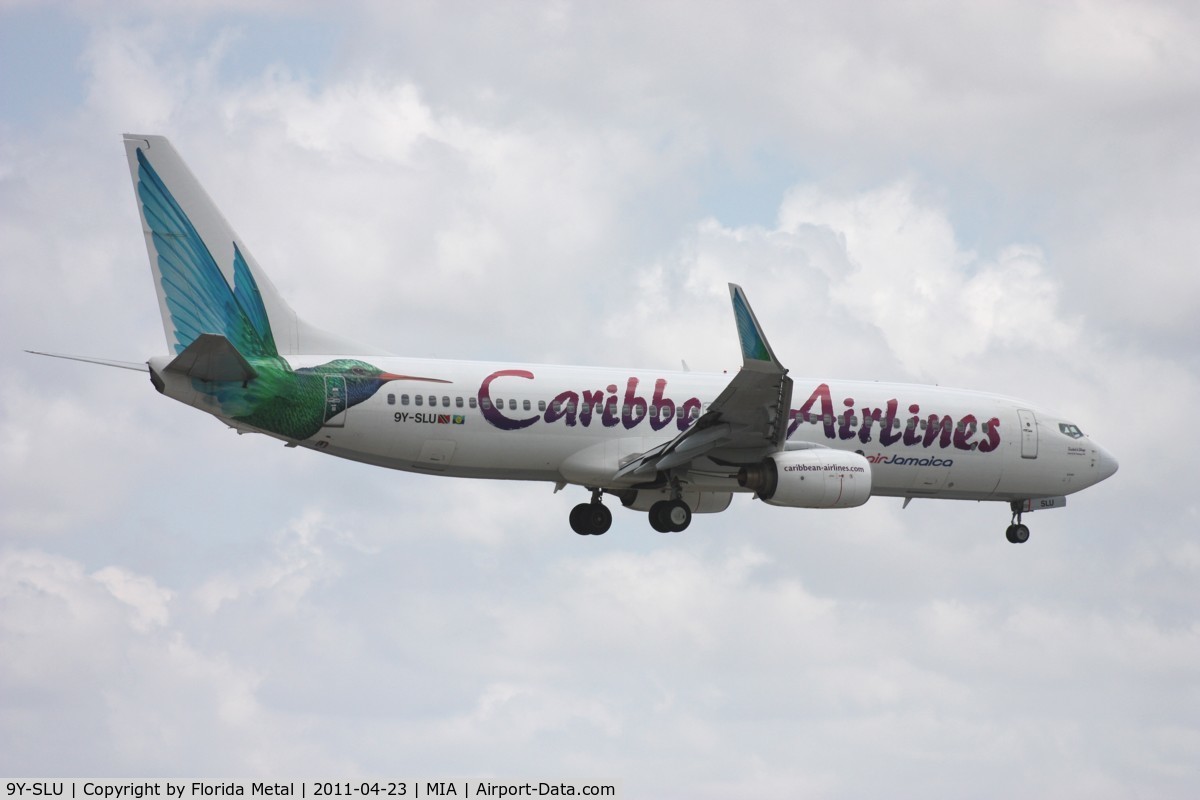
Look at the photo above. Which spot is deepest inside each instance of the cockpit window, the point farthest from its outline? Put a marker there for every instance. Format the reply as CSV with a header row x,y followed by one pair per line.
x,y
1070,430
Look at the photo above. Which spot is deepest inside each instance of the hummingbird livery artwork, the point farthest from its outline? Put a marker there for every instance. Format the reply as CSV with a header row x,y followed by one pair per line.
x,y
294,403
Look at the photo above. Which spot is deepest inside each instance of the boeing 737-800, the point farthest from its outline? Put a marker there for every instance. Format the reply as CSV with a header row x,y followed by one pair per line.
x,y
669,444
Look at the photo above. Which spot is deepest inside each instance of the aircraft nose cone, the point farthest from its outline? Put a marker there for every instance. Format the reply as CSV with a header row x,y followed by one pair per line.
x,y
1106,464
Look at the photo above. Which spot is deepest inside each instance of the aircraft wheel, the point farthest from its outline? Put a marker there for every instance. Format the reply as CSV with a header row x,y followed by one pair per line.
x,y
579,519
670,516
678,515
1017,533
658,516
599,518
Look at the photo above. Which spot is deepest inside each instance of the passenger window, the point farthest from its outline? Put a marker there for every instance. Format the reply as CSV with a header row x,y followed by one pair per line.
x,y
403,399
471,402
420,400
512,405
391,399
526,405
432,401
557,407
486,404
458,402
446,402
541,405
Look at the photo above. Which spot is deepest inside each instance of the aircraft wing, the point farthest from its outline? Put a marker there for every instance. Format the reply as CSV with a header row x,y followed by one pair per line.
x,y
748,420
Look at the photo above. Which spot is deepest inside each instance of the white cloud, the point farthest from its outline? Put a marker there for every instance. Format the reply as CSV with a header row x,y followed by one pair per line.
x,y
298,562
905,273
878,273
47,487
150,603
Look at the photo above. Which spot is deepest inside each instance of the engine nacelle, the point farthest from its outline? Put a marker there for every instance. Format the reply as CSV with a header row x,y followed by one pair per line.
x,y
816,478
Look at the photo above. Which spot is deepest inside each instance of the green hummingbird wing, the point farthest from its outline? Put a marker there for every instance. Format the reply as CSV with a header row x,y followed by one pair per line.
x,y
198,296
278,400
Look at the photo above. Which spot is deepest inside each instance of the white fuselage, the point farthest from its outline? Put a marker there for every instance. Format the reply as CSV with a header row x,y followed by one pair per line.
x,y
575,425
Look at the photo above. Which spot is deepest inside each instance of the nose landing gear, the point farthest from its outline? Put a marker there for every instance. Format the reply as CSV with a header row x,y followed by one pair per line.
x,y
1017,533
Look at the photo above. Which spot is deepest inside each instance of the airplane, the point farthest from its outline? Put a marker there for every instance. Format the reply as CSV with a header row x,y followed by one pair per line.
x,y
667,443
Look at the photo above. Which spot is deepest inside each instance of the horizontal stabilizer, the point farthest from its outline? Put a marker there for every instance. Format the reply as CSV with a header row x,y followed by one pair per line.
x,y
213,358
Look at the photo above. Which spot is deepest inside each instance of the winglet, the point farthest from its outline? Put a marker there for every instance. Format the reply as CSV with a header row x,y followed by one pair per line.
x,y
755,350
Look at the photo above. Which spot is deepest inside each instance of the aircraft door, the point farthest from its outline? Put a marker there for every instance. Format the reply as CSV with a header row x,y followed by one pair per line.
x,y
1029,434
335,401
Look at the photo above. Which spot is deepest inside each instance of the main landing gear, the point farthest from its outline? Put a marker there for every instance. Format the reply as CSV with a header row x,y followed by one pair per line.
x,y
594,518
591,519
1017,533
670,516
673,515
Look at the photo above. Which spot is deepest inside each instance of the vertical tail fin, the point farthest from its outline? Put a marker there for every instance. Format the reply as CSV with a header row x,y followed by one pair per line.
x,y
206,279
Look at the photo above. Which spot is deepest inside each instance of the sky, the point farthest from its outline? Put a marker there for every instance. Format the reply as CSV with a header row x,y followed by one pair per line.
x,y
997,196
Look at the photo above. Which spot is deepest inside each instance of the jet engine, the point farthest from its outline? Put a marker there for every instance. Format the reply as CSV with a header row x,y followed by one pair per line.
x,y
815,478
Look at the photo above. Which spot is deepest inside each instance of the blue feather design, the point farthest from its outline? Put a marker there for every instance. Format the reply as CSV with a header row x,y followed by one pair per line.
x,y
198,296
753,345
249,300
